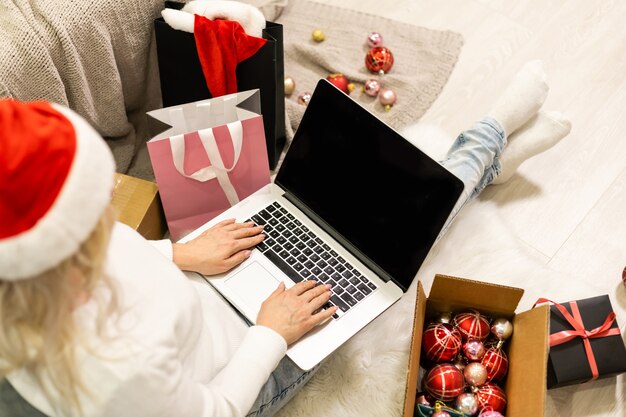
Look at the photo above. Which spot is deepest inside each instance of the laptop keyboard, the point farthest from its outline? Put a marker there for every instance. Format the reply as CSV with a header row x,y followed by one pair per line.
x,y
301,255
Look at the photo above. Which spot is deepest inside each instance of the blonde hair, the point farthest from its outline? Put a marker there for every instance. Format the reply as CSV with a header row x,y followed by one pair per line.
x,y
39,332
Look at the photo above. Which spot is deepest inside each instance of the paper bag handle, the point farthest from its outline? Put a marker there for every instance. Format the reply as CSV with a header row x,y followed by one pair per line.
x,y
217,169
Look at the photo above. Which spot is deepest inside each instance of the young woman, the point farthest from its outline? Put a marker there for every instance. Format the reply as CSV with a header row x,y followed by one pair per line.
x,y
97,321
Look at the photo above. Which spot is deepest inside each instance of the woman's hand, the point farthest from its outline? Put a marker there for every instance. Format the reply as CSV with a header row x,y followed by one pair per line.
x,y
294,312
219,249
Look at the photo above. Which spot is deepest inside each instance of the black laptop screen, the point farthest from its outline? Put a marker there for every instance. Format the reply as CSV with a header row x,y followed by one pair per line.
x,y
368,184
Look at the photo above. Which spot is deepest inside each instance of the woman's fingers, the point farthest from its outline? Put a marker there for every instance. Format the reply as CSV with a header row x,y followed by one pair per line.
x,y
323,315
248,229
236,258
315,292
224,223
247,243
302,287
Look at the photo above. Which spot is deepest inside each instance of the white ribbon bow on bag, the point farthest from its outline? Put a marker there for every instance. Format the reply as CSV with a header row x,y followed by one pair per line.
x,y
217,169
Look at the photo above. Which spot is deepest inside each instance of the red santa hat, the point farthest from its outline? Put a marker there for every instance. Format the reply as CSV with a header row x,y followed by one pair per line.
x,y
56,177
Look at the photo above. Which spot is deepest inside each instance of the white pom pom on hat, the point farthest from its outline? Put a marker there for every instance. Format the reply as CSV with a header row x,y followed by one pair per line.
x,y
250,18
56,177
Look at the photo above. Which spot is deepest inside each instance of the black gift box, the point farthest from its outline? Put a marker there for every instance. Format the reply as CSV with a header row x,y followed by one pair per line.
x,y
568,363
182,79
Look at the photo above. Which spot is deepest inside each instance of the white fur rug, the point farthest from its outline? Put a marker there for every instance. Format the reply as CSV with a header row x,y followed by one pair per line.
x,y
367,376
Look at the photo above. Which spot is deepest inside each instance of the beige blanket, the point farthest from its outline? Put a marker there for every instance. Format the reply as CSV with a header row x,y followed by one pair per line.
x,y
423,58
89,55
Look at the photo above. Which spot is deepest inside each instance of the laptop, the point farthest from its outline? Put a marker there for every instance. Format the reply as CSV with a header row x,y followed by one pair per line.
x,y
354,204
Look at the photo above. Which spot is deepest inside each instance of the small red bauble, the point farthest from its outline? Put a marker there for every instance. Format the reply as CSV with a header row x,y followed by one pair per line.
x,y
472,325
441,342
491,397
379,60
444,382
496,362
341,82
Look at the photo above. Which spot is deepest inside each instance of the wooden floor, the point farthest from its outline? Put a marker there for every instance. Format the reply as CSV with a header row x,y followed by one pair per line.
x,y
568,203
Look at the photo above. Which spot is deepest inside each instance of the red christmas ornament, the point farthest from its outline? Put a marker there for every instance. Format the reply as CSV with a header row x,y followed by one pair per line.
x,y
379,60
444,382
441,342
472,325
341,82
624,276
491,397
496,362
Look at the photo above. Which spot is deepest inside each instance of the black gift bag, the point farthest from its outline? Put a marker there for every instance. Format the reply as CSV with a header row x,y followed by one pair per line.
x,y
182,80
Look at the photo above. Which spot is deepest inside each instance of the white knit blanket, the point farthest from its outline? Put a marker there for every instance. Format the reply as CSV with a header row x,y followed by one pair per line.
x,y
367,375
89,55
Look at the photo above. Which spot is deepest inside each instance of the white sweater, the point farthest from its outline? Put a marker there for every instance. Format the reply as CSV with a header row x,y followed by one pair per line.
x,y
178,350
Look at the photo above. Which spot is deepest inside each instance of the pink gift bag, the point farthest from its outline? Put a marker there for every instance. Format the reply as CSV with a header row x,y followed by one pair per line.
x,y
208,156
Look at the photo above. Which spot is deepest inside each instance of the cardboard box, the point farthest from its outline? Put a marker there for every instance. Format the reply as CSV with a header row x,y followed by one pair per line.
x,y
138,205
568,363
527,348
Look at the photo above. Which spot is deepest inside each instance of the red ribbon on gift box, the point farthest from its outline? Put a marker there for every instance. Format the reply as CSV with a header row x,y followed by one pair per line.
x,y
576,321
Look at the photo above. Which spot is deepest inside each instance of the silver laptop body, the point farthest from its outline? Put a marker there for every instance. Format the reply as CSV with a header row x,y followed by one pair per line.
x,y
413,189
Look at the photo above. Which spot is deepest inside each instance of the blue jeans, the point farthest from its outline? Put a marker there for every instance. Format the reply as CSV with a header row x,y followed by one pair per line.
x,y
282,385
475,159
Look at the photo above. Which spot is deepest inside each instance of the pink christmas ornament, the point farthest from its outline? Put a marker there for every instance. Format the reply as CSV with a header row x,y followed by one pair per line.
x,y
502,329
466,403
473,349
423,399
475,374
371,87
375,39
490,413
304,98
387,98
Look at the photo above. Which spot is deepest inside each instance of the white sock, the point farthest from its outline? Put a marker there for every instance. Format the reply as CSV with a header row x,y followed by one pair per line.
x,y
539,134
522,98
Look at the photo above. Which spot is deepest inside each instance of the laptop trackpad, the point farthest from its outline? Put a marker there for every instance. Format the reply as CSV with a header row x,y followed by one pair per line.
x,y
253,285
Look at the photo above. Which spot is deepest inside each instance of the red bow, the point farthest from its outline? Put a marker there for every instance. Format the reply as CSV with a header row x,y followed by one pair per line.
x,y
576,321
221,45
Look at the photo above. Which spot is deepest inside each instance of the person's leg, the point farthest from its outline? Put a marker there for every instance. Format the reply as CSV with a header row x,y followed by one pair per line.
x,y
538,135
474,159
281,386
474,156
